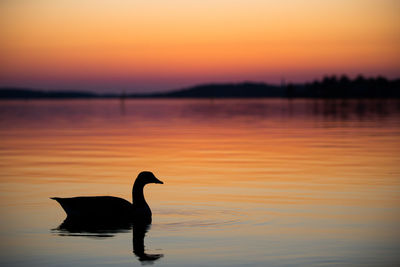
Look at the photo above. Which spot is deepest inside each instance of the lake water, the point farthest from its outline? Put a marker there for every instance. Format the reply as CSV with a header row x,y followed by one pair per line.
x,y
246,182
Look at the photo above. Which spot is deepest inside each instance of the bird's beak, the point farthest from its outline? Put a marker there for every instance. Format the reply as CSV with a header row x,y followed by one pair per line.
x,y
158,181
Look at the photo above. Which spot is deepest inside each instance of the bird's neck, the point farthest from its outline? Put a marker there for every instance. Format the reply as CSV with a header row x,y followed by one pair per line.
x,y
137,194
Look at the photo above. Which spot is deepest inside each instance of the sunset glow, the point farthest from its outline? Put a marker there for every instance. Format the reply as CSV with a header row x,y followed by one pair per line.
x,y
157,45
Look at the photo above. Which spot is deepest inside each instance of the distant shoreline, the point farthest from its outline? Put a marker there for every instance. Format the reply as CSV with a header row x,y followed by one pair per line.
x,y
328,87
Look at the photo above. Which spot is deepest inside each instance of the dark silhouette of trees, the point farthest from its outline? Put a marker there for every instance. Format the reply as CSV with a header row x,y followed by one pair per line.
x,y
360,87
329,87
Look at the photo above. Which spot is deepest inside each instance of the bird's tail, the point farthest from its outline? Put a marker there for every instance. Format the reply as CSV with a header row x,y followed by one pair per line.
x,y
62,204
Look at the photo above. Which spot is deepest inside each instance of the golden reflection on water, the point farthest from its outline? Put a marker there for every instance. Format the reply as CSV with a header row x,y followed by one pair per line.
x,y
260,167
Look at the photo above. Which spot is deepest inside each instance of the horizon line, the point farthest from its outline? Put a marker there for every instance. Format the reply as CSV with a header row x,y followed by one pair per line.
x,y
283,83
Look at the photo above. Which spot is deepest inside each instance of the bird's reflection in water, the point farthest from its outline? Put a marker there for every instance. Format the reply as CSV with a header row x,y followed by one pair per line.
x,y
92,228
139,232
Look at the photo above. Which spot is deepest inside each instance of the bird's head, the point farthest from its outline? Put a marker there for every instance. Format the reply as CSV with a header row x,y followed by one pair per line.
x,y
147,177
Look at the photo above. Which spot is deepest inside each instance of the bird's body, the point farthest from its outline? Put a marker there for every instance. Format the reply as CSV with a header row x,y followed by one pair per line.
x,y
95,207
108,208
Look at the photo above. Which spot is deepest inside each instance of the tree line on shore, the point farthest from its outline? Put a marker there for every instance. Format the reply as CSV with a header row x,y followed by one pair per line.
x,y
328,87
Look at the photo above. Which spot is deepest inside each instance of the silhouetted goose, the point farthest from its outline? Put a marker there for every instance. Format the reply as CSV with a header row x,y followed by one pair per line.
x,y
106,208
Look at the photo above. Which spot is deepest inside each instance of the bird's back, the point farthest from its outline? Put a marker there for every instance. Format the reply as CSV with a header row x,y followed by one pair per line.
x,y
104,207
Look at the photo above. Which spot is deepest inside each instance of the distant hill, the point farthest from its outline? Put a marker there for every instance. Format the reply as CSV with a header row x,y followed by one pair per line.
x,y
239,90
328,87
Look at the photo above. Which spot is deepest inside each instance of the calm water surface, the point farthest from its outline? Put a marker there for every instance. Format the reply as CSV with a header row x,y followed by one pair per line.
x,y
247,182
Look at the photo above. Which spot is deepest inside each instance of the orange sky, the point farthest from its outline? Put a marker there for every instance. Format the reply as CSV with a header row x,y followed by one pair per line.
x,y
155,44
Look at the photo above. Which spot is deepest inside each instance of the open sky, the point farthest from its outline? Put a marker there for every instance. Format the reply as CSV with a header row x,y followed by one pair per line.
x,y
152,45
